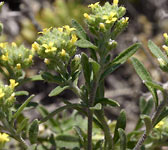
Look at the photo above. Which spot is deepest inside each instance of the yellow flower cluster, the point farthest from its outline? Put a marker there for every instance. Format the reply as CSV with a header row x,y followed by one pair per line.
x,y
4,137
56,46
104,17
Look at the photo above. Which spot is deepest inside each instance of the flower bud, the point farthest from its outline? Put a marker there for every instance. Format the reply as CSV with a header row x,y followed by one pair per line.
x,y
163,64
112,44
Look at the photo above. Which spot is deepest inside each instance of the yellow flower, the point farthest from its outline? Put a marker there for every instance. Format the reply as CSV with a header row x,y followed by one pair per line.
x,y
115,2
68,29
18,66
13,83
1,93
4,137
14,44
63,52
3,45
45,30
30,57
46,61
86,16
165,48
102,26
60,29
93,5
110,18
74,38
5,57
35,46
50,47
159,124
125,20
165,35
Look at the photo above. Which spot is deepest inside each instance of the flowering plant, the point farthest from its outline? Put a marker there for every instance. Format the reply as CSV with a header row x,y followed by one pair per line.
x,y
58,48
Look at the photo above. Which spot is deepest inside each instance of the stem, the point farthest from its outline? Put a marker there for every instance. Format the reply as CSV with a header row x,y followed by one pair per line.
x,y
108,137
154,119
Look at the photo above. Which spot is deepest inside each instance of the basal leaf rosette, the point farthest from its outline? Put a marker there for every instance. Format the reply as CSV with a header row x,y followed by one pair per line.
x,y
56,46
7,94
103,18
14,59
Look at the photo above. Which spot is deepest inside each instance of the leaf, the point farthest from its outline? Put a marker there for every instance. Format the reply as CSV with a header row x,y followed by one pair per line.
x,y
51,78
156,51
20,93
95,66
123,139
22,107
81,135
148,123
58,90
98,106
22,125
145,76
120,59
154,85
79,30
36,78
85,44
121,123
43,111
86,67
33,131
107,101
52,141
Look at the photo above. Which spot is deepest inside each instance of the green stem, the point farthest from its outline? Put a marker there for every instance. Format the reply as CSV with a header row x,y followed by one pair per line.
x,y
154,119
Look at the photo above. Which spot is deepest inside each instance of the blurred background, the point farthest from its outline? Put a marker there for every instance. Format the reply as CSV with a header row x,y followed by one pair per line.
x,y
23,19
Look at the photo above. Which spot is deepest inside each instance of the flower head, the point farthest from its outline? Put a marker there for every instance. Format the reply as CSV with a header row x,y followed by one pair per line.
x,y
1,93
93,5
4,137
111,18
74,38
35,46
68,29
50,47
45,30
13,83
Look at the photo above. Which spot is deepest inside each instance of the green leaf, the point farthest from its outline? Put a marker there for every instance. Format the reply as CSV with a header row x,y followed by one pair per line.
x,y
156,51
52,141
120,59
36,78
148,123
79,30
58,90
154,85
81,135
98,106
20,93
107,101
22,107
123,139
85,44
86,67
145,76
43,111
22,125
51,78
33,131
121,123
142,103
95,66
